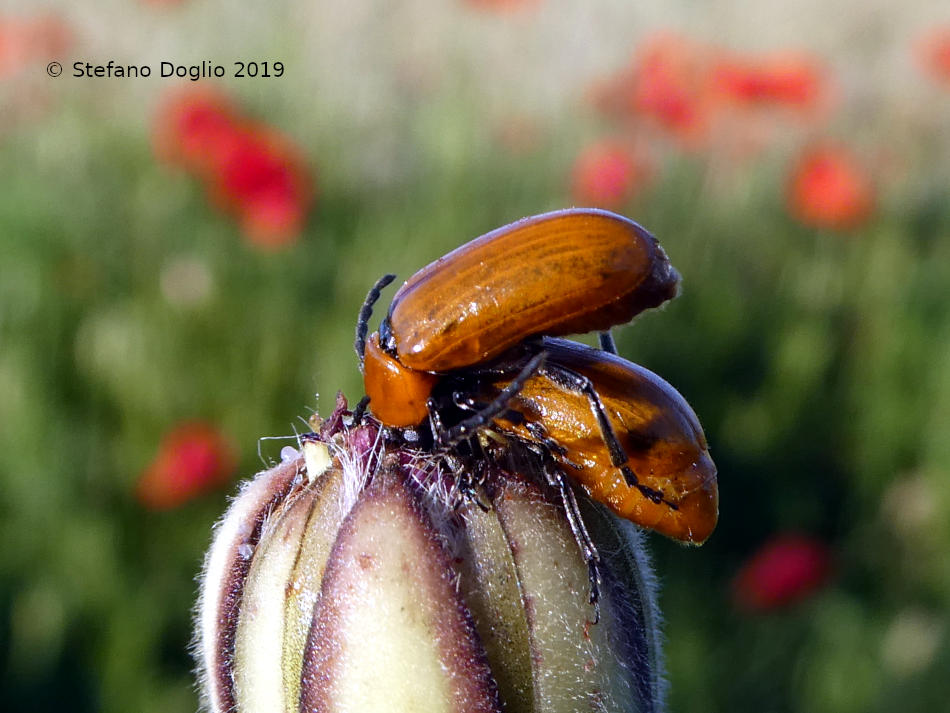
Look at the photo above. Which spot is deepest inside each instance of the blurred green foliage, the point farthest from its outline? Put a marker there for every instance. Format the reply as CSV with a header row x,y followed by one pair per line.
x,y
818,362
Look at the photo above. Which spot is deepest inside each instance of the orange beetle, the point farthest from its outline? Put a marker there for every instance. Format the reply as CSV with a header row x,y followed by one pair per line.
x,y
566,272
624,434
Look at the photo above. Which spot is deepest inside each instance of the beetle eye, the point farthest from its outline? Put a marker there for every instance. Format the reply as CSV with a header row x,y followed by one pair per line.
x,y
386,339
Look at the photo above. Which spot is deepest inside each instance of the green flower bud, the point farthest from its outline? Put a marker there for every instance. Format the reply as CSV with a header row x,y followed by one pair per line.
x,y
349,578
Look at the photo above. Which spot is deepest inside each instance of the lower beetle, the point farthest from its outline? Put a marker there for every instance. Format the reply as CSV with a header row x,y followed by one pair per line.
x,y
624,434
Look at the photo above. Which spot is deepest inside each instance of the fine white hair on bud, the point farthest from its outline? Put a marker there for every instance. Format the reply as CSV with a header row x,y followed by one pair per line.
x,y
352,577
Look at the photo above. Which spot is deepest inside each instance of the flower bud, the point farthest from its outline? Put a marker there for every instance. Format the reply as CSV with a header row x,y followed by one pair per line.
x,y
351,577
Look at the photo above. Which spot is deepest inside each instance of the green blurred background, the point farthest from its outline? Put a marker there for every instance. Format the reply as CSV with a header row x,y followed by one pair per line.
x,y
133,300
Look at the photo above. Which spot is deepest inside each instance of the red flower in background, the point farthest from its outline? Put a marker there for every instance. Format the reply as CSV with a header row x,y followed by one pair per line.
x,y
828,188
933,52
193,459
706,97
194,129
251,171
260,178
669,85
607,174
785,570
790,80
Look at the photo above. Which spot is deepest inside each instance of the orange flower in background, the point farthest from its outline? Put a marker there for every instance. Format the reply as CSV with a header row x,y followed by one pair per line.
x,y
24,41
785,570
933,53
193,459
607,174
789,80
518,134
251,171
829,188
502,5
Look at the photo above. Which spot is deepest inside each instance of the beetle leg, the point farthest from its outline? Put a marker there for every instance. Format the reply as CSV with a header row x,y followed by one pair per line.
x,y
506,367
359,412
540,434
589,551
435,422
465,484
607,342
366,311
463,429
410,435
465,402
618,457
481,475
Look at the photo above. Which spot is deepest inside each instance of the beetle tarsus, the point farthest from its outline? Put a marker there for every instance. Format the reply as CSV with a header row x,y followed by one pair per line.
x,y
555,477
650,494
593,573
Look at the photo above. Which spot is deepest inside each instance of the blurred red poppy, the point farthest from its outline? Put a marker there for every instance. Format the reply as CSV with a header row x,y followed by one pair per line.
x,y
194,458
789,80
251,170
785,570
194,128
669,84
607,174
706,97
829,188
261,179
933,52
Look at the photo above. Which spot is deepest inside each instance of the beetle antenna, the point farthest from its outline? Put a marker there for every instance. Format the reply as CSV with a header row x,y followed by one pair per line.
x,y
366,311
